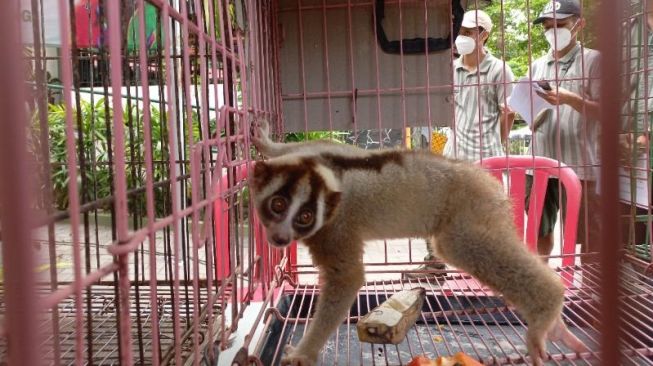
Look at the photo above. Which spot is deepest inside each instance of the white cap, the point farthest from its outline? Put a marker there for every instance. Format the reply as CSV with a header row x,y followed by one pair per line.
x,y
477,18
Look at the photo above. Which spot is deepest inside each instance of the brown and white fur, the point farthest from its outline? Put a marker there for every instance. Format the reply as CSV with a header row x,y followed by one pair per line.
x,y
333,197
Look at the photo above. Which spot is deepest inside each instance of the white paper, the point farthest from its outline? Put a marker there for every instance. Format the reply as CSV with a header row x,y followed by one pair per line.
x,y
528,104
641,181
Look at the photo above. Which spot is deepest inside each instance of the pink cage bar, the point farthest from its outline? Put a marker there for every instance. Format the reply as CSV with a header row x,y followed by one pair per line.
x,y
127,232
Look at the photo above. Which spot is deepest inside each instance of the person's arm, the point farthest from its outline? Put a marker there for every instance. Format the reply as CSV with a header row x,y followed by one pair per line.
x,y
561,96
506,120
506,115
586,104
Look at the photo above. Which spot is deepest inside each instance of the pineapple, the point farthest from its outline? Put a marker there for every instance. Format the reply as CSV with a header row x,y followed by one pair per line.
x,y
438,140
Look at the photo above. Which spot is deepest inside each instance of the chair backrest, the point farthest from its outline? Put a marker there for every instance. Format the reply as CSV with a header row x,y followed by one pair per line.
x,y
541,169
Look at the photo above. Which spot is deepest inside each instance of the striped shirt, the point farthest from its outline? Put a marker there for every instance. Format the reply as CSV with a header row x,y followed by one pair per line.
x,y
638,75
644,96
565,134
477,95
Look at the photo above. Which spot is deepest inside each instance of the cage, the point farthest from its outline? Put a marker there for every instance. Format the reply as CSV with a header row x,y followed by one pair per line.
x,y
128,235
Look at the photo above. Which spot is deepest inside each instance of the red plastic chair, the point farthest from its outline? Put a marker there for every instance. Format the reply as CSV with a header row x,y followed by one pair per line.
x,y
541,168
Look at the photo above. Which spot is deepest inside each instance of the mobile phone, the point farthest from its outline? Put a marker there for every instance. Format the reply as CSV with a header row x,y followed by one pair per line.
x,y
544,85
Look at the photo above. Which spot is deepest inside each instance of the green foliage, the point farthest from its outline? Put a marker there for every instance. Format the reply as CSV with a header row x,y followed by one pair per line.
x,y
336,136
510,38
230,17
95,150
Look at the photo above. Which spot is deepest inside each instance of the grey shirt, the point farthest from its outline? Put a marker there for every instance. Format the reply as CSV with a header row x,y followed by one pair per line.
x,y
565,134
477,96
639,75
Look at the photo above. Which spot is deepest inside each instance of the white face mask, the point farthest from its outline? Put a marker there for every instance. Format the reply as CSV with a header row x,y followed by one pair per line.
x,y
465,45
559,38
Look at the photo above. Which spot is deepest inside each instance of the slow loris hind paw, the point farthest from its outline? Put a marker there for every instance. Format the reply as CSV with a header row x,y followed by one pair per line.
x,y
293,358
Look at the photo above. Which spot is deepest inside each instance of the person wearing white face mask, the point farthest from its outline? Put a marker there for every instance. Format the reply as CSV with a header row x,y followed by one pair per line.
x,y
481,84
569,130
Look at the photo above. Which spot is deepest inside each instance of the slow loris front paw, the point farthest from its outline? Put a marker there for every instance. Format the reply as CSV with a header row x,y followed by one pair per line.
x,y
294,358
260,133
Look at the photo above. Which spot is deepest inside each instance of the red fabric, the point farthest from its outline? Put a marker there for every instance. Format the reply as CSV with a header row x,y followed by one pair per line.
x,y
88,32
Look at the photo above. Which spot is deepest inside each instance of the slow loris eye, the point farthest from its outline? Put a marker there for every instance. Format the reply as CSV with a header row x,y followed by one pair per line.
x,y
305,218
278,204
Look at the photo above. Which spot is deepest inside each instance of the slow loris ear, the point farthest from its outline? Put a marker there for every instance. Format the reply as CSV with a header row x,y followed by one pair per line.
x,y
262,174
331,202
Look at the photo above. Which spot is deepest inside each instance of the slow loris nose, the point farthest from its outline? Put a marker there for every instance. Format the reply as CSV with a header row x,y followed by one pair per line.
x,y
280,239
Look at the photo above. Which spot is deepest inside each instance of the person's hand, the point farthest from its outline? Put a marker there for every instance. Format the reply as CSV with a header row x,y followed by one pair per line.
x,y
625,147
507,113
557,96
628,148
507,118
642,142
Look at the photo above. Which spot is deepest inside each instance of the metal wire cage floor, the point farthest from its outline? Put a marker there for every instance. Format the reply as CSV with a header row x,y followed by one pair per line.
x,y
460,315
102,322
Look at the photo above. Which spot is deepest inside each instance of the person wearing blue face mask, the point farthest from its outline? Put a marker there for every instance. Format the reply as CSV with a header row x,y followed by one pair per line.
x,y
569,130
481,84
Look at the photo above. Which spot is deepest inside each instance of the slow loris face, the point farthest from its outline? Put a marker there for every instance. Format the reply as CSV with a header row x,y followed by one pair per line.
x,y
294,197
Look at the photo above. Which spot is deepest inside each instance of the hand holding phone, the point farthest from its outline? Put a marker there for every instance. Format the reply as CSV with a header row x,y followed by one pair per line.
x,y
544,85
